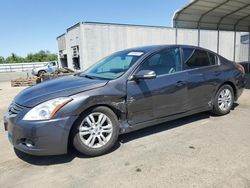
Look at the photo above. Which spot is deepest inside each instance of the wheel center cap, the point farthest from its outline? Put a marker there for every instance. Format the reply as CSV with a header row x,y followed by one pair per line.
x,y
96,130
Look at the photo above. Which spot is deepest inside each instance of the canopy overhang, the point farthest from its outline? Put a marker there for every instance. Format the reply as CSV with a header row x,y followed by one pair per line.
x,y
228,15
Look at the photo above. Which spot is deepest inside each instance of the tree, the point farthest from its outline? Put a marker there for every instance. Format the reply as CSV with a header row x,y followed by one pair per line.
x,y
13,58
41,56
2,59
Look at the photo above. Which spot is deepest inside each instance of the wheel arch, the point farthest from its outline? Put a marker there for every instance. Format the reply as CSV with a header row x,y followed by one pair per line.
x,y
116,111
232,85
42,70
39,72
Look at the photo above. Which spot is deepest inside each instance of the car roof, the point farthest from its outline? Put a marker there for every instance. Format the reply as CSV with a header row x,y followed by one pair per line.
x,y
147,49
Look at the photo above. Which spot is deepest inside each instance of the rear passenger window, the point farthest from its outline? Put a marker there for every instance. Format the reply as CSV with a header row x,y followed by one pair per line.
x,y
198,58
213,59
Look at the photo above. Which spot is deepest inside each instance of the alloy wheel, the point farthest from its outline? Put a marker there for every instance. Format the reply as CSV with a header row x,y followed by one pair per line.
x,y
225,99
95,130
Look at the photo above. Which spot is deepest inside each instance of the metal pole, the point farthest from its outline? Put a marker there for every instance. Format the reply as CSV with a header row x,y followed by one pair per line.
x,y
218,42
199,36
176,35
234,45
248,70
249,45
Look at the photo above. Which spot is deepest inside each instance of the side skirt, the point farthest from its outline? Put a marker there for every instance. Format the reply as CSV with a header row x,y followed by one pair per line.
x,y
126,128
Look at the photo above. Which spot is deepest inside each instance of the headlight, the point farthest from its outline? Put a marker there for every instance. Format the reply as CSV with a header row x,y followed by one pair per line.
x,y
47,109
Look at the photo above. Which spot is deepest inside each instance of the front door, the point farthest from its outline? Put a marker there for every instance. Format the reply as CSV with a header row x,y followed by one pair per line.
x,y
160,97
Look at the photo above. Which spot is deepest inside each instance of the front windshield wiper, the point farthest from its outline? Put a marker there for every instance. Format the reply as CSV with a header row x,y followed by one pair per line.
x,y
91,77
87,76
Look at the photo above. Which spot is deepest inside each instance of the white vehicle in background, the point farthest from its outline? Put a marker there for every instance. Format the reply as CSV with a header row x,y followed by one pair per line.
x,y
48,68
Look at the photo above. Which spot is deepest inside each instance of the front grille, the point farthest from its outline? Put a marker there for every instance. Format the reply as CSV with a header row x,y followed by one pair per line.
x,y
15,108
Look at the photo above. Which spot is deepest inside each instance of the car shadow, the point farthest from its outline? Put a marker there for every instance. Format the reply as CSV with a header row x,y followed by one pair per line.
x,y
163,127
123,139
55,159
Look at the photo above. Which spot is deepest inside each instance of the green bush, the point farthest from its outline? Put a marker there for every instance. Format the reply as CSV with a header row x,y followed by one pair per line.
x,y
41,56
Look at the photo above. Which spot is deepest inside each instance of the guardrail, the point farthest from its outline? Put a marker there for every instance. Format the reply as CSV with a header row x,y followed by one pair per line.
x,y
20,67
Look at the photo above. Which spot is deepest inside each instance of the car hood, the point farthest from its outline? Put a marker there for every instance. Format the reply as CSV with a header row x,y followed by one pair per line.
x,y
60,87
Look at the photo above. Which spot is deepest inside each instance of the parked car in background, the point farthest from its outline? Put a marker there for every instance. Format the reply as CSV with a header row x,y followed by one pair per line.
x,y
124,92
48,68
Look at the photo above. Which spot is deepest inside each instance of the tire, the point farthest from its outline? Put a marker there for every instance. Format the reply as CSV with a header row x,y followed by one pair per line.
x,y
228,100
88,137
41,72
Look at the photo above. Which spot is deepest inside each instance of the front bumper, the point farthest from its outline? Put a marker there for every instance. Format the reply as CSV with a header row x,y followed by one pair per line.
x,y
48,137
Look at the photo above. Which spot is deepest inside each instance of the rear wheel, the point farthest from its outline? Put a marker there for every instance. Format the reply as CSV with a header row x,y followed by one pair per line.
x,y
97,132
224,100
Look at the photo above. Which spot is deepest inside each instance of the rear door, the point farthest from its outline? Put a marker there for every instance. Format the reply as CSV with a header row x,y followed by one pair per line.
x,y
203,72
160,97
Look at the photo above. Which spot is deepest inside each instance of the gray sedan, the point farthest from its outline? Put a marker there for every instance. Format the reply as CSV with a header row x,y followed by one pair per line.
x,y
125,91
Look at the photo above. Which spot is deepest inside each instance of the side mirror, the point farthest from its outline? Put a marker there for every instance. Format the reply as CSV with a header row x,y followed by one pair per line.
x,y
145,75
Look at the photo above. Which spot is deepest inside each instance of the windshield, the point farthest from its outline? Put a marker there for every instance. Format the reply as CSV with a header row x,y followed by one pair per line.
x,y
113,66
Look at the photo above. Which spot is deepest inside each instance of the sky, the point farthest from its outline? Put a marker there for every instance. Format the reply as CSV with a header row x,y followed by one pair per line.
x,y
28,26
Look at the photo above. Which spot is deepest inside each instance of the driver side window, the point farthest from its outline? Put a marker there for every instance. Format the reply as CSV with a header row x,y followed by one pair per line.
x,y
165,62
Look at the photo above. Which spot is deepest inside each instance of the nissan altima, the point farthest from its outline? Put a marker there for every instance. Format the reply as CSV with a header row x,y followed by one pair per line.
x,y
123,92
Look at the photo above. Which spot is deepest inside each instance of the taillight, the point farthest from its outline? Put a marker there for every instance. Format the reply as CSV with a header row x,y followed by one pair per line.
x,y
240,68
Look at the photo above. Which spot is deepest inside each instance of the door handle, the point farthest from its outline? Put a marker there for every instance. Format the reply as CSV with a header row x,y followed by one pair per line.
x,y
180,83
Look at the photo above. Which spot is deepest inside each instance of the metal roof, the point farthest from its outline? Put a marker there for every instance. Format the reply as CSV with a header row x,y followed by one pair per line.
x,y
125,24
229,15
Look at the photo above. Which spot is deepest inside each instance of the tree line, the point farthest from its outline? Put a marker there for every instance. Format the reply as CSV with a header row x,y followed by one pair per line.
x,y
41,56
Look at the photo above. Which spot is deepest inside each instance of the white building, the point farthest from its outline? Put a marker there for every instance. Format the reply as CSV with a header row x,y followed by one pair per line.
x,y
87,42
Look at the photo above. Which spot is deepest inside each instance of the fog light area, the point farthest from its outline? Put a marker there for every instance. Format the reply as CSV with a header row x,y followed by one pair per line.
x,y
27,142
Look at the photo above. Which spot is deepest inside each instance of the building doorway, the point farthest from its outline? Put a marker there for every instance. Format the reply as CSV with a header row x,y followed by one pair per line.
x,y
64,61
76,63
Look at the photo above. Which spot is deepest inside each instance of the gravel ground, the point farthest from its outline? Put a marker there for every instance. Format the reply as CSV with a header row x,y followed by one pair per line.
x,y
196,151
8,76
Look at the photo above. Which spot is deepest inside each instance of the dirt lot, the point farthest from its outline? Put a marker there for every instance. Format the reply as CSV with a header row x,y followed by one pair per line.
x,y
196,151
6,77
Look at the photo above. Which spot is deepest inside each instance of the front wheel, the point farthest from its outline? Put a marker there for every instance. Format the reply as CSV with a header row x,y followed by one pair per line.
x,y
224,100
97,132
